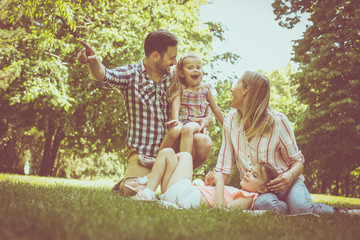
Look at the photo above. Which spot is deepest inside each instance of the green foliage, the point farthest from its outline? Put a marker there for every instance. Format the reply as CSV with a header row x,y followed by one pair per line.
x,y
49,208
284,97
49,100
328,82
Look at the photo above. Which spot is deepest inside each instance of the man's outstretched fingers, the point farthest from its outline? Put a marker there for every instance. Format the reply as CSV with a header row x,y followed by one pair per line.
x,y
87,47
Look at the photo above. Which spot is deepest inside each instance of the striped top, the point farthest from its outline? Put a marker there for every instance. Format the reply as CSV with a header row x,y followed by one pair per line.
x,y
146,104
193,104
230,194
279,148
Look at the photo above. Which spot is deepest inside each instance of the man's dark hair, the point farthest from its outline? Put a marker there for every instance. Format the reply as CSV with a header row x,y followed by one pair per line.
x,y
159,40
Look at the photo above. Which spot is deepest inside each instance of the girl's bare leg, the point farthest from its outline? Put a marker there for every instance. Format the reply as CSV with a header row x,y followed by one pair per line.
x,y
183,170
171,136
162,170
187,136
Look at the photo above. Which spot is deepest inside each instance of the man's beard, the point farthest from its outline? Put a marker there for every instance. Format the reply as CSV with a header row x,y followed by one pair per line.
x,y
161,67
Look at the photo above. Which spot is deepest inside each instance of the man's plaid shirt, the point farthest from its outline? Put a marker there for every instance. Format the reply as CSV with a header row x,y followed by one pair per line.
x,y
146,103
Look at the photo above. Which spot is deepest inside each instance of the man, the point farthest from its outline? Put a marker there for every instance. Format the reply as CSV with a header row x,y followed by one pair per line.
x,y
144,86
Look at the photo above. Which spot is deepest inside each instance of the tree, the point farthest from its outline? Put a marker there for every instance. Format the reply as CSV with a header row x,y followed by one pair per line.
x,y
328,57
50,98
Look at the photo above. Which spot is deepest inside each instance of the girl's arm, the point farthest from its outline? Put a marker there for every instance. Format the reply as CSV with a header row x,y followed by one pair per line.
x,y
219,190
175,109
215,108
241,203
219,201
226,156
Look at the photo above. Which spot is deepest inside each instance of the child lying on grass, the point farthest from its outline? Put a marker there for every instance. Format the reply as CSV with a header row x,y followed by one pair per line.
x,y
174,173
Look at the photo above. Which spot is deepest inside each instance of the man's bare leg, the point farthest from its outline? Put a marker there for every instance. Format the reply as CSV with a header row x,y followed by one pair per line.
x,y
201,148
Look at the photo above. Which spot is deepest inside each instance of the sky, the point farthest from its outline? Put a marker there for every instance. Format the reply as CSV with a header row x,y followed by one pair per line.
x,y
253,34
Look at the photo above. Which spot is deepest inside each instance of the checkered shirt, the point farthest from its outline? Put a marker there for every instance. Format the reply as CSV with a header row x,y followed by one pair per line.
x,y
146,104
193,104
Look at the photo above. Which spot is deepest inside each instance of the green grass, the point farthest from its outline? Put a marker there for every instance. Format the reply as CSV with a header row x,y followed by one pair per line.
x,y
49,208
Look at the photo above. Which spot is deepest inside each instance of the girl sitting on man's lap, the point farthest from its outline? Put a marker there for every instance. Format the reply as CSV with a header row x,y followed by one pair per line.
x,y
189,98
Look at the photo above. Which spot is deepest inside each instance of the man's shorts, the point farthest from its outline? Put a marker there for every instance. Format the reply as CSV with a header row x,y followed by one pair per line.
x,y
133,170
183,193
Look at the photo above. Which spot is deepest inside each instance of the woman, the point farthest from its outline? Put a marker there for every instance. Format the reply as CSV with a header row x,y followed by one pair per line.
x,y
255,133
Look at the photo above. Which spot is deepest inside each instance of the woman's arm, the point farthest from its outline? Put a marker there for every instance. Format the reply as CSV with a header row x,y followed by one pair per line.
x,y
292,155
215,108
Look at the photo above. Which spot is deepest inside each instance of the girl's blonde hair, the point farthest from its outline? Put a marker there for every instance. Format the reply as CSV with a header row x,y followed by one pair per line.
x,y
179,83
256,115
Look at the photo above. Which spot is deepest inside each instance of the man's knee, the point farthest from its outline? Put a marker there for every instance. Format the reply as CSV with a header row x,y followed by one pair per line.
x,y
202,145
201,149
174,132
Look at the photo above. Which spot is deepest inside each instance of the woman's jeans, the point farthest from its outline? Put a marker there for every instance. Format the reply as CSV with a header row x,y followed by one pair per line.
x,y
294,200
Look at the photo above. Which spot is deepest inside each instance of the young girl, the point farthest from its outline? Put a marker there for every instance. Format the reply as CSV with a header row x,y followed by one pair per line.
x,y
189,97
174,172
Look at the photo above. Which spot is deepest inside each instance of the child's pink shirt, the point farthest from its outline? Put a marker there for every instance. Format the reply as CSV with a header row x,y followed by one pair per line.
x,y
230,194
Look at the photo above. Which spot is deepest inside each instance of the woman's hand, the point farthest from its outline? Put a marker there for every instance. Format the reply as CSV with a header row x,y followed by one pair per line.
x,y
281,182
286,179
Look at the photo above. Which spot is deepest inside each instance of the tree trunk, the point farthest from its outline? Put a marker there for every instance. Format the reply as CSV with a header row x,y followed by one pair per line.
x,y
45,162
347,181
335,191
51,148
55,148
323,186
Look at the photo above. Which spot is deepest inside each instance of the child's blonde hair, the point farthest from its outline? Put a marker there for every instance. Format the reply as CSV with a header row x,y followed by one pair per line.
x,y
179,83
256,114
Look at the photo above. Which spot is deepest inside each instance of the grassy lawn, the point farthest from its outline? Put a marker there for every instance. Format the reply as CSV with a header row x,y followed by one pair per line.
x,y
49,208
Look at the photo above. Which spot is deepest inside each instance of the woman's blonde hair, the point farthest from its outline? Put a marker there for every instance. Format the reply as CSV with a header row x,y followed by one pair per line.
x,y
256,115
179,83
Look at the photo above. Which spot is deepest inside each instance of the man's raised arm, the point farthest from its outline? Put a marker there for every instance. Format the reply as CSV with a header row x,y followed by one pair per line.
x,y
88,56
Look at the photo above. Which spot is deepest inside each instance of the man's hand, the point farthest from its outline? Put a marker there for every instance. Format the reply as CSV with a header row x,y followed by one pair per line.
x,y
86,55
171,123
204,123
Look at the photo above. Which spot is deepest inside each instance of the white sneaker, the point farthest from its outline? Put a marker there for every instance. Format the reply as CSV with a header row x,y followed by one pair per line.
x,y
145,195
146,161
